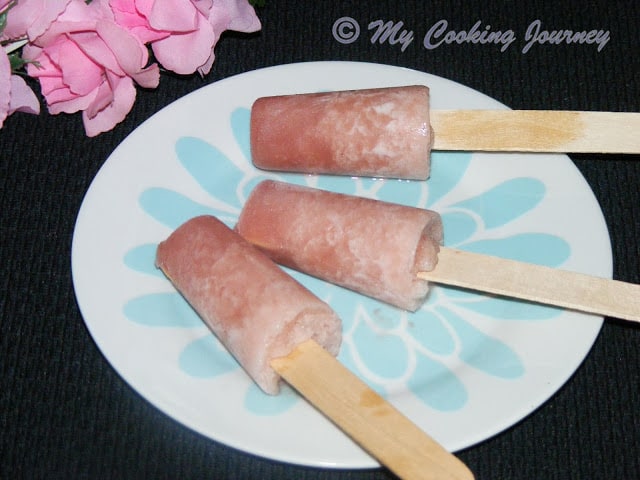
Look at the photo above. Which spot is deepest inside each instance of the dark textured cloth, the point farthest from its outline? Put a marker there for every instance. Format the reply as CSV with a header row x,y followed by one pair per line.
x,y
66,414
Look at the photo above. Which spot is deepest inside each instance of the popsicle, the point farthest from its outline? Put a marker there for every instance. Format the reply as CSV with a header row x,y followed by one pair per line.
x,y
274,326
256,310
332,236
389,132
381,132
342,239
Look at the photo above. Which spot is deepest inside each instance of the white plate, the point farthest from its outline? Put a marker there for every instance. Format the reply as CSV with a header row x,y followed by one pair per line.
x,y
464,367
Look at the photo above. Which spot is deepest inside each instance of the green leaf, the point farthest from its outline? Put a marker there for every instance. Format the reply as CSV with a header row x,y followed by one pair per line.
x,y
16,61
3,21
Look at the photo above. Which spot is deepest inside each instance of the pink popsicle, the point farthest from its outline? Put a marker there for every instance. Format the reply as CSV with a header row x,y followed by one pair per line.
x,y
383,132
254,308
373,247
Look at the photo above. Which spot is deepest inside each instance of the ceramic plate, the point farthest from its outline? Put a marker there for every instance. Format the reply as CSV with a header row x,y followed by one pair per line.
x,y
464,367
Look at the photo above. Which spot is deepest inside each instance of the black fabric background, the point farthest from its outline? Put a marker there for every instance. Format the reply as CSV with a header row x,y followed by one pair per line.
x,y
65,413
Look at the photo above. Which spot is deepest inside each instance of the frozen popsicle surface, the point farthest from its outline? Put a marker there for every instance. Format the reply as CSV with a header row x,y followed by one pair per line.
x,y
375,248
383,132
254,308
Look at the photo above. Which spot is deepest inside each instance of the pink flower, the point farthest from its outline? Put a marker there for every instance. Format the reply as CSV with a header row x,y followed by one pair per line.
x,y
183,33
85,62
5,85
31,18
15,95
88,55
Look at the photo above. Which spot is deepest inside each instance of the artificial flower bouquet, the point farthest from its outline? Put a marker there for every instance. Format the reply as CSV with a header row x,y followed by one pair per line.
x,y
89,55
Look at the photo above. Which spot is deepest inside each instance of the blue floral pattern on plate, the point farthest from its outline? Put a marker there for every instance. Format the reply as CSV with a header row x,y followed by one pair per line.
x,y
390,349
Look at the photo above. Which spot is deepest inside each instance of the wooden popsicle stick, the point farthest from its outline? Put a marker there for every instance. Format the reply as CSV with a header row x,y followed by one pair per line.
x,y
536,131
536,283
366,417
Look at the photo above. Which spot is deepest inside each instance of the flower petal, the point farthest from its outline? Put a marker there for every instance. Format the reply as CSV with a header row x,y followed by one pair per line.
x,y
5,86
124,95
60,101
130,54
79,72
22,97
129,17
237,15
199,43
174,15
33,17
